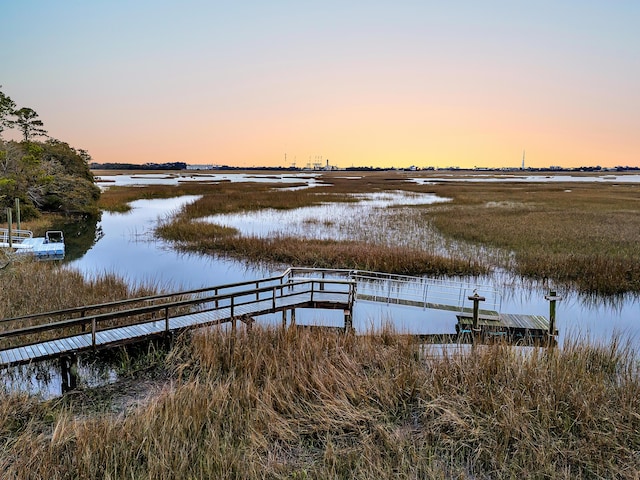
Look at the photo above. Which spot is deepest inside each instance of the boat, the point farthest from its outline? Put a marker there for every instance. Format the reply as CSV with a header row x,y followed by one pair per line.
x,y
22,242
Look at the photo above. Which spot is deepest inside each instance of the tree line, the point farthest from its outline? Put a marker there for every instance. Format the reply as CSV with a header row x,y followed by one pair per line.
x,y
48,175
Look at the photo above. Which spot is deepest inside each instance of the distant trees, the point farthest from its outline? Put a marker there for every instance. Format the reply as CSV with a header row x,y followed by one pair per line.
x,y
48,176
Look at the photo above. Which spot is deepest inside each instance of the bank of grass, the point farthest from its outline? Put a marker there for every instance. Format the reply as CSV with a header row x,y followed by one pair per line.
x,y
360,255
29,287
584,234
308,404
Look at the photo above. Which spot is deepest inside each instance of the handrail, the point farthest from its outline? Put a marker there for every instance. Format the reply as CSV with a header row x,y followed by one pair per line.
x,y
118,303
17,236
420,289
96,320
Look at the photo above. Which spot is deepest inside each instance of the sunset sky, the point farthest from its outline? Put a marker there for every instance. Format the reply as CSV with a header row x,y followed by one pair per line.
x,y
360,83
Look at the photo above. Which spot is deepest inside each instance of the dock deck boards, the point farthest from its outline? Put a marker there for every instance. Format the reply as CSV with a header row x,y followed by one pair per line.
x,y
536,325
136,332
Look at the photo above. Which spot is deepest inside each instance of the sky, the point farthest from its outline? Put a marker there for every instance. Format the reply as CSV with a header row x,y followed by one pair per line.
x,y
357,83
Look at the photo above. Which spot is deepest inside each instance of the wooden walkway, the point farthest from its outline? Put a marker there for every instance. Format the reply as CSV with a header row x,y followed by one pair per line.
x,y
69,332
168,316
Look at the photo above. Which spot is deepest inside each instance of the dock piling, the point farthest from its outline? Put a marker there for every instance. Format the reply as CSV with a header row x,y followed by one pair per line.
x,y
10,224
476,310
69,372
552,298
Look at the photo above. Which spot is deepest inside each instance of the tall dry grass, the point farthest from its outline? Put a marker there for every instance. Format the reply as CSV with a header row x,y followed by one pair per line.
x,y
304,404
29,286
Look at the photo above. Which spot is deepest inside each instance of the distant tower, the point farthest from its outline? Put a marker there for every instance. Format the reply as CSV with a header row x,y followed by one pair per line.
x,y
522,160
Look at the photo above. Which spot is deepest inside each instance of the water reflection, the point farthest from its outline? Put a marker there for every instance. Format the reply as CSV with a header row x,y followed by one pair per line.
x,y
104,181
608,178
129,249
80,236
336,221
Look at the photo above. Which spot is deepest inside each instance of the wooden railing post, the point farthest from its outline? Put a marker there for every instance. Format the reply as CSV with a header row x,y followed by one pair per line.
x,y
215,293
93,332
273,300
312,282
476,310
551,335
166,319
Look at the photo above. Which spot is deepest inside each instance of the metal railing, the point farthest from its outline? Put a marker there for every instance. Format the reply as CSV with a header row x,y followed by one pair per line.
x,y
17,236
422,292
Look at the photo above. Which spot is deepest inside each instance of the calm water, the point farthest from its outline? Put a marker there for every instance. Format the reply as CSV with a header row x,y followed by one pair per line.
x,y
603,178
128,249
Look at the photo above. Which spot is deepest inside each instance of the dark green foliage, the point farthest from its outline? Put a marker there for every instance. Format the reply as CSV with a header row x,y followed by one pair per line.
x,y
28,123
7,107
46,177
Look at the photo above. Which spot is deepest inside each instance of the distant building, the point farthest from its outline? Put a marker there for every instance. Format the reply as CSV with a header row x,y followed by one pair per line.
x,y
200,167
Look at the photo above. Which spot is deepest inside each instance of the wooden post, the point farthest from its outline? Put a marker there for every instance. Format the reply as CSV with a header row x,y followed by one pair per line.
x,y
348,322
284,319
552,298
476,313
93,332
293,317
10,223
233,317
69,372
166,319
18,213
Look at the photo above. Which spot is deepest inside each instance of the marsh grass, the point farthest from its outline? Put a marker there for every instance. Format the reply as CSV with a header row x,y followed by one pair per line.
x,y
31,287
581,235
305,404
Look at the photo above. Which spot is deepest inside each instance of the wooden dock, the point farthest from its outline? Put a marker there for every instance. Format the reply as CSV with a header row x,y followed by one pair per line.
x,y
69,332
516,328
66,333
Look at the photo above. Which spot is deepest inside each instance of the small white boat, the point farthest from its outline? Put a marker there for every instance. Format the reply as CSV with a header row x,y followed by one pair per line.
x,y
49,247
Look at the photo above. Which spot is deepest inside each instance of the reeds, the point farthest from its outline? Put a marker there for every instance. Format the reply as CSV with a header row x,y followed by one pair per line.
x,y
305,404
584,236
31,287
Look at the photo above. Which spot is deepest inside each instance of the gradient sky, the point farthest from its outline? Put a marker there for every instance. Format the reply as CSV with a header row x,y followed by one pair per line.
x,y
394,83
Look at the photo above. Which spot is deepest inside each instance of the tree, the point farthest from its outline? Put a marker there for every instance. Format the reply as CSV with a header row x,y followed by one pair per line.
x,y
28,123
7,107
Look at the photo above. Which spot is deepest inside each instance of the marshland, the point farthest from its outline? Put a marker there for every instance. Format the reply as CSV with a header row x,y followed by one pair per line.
x,y
293,403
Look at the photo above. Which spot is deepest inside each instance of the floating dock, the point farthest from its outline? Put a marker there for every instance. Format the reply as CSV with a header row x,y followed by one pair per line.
x,y
514,327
